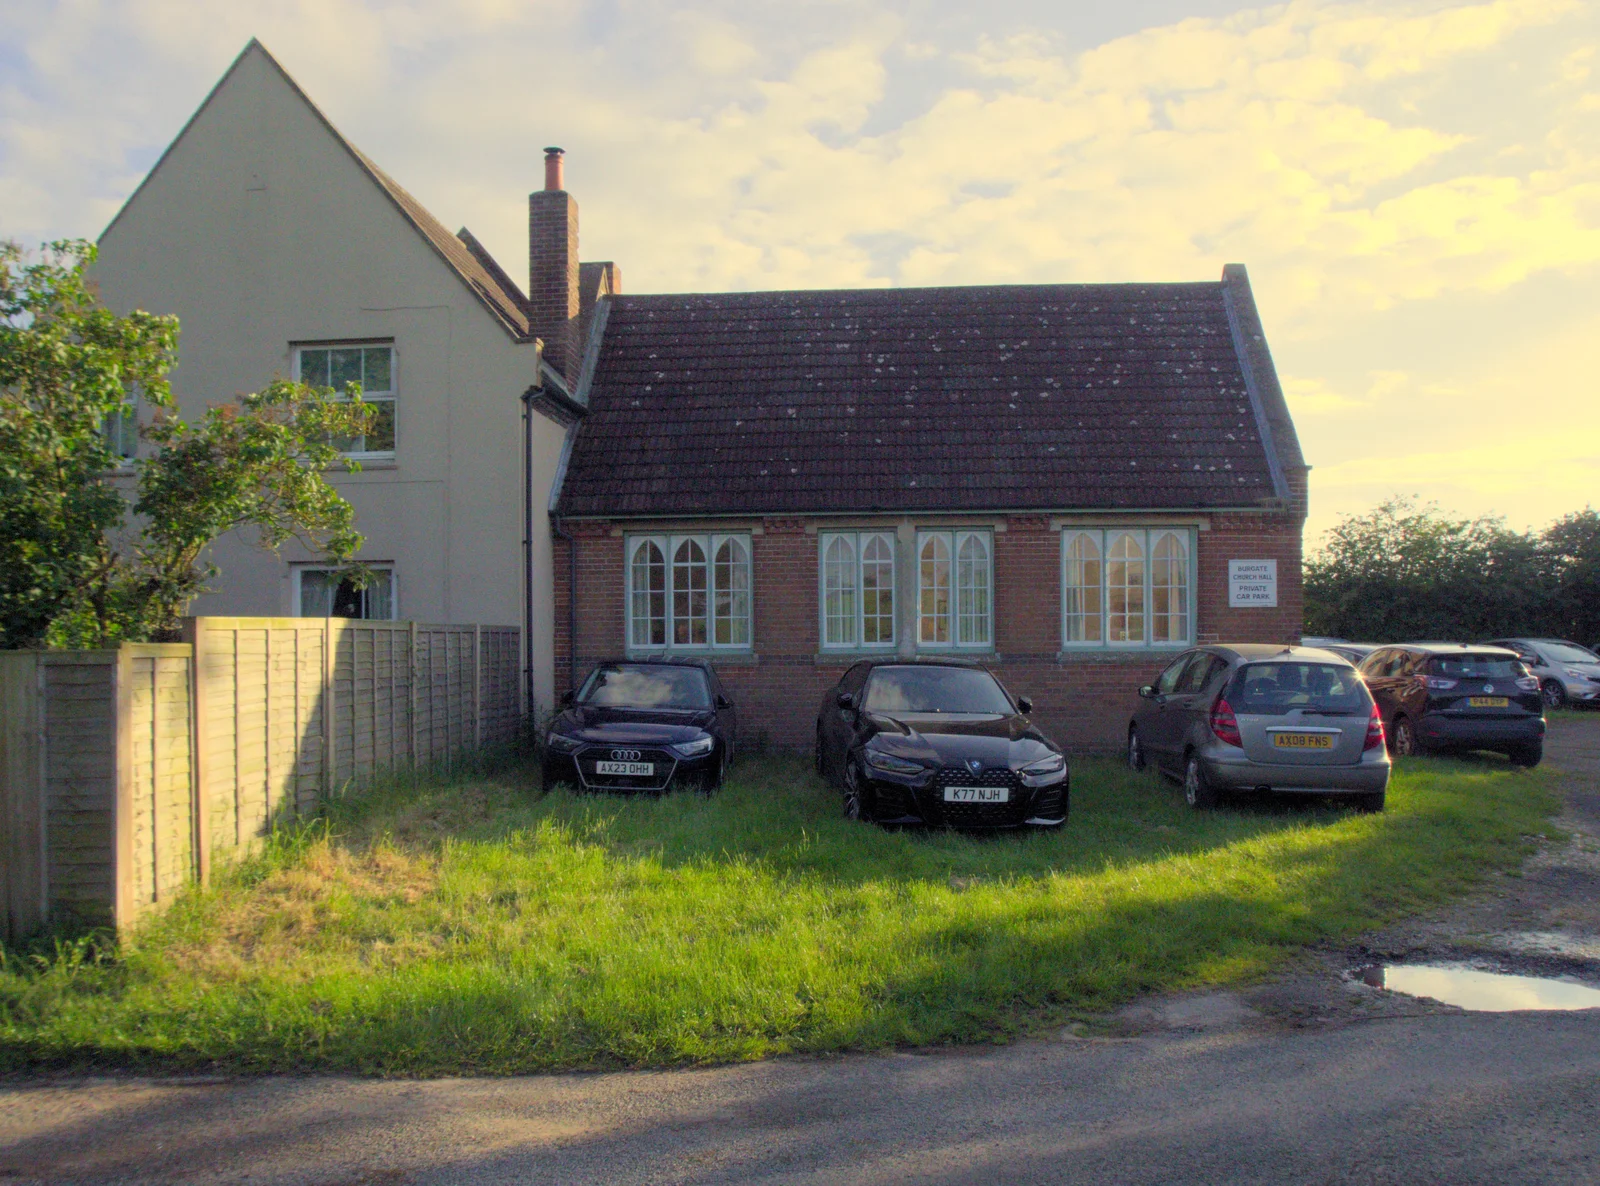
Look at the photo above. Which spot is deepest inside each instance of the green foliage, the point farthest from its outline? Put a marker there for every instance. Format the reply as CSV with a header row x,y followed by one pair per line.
x,y
474,928
1404,571
82,563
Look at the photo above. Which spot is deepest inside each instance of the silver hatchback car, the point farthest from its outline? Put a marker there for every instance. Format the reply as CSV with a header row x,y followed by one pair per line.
x,y
1262,717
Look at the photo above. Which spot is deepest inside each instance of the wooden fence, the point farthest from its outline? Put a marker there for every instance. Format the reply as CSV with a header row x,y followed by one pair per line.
x,y
124,773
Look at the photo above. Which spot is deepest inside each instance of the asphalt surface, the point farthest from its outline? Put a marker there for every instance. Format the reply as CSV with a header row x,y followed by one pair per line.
x,y
1313,1079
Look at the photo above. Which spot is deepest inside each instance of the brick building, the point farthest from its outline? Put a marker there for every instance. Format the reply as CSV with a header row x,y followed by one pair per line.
x,y
1069,483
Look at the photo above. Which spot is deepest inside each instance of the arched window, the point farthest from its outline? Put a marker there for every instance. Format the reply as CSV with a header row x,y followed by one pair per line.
x,y
933,579
839,592
1080,587
1169,588
647,578
877,590
972,590
731,600
690,599
1125,588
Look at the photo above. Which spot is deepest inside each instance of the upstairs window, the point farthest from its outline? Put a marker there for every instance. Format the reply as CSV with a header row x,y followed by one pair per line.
x,y
688,592
372,367
121,433
1127,587
320,593
857,589
955,577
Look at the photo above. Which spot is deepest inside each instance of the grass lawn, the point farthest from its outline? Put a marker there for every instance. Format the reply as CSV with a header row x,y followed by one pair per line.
x,y
482,927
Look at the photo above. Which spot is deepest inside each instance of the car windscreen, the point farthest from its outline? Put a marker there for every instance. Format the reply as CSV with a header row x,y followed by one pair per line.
x,y
934,689
1569,652
1265,689
1477,667
626,686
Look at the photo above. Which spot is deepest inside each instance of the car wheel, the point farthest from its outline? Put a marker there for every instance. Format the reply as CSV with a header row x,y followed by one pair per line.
x,y
1555,693
1404,741
856,804
1197,789
816,757
1529,755
711,780
1369,803
1135,749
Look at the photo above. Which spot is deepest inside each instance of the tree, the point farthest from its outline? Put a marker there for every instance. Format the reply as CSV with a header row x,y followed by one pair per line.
x,y
1570,548
81,565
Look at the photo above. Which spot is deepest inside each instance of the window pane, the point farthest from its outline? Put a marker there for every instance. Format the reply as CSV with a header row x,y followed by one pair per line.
x,y
316,593
839,591
1125,589
344,366
934,590
314,367
380,596
877,590
1169,589
380,439
375,369
732,581
972,591
1081,587
689,600
649,596
121,432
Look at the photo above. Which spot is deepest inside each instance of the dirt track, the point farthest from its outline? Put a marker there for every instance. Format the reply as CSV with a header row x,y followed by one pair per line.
x,y
1308,1079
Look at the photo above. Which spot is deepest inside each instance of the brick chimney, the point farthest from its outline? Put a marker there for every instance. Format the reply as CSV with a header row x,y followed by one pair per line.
x,y
553,269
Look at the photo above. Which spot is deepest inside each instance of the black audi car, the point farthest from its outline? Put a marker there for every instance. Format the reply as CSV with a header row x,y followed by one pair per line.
x,y
643,725
938,742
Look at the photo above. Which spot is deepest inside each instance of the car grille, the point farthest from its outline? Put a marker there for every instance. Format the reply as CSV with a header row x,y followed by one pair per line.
x,y
978,815
665,762
1048,803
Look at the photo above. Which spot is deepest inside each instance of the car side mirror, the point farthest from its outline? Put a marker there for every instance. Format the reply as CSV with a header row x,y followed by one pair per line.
x,y
568,698
845,700
723,702
1148,692
1024,704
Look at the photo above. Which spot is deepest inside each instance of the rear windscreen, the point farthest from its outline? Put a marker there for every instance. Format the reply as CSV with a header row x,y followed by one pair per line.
x,y
1267,688
1477,667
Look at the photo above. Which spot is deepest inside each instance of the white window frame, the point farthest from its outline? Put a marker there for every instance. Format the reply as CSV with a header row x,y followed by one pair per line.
x,y
710,544
299,571
1148,538
858,541
954,538
120,430
389,396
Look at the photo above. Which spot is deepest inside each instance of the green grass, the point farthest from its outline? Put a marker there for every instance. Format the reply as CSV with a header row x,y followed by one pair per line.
x,y
484,928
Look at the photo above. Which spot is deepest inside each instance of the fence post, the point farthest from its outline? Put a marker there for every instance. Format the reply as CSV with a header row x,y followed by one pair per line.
x,y
411,690
477,685
199,807
24,860
122,881
327,709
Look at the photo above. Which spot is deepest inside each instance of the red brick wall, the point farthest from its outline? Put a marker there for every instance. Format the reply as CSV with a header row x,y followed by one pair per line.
x,y
1083,701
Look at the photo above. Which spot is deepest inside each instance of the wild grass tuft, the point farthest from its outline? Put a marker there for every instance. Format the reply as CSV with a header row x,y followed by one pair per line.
x,y
429,927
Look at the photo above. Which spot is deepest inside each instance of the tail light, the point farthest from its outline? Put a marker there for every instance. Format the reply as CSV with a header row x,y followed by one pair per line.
x,y
1374,730
1225,725
1528,683
1435,683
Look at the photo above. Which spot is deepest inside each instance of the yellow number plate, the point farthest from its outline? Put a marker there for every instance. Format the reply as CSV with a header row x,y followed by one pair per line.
x,y
1302,741
1488,701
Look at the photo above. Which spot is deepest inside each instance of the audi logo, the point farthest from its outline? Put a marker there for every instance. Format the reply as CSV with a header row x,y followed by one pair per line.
x,y
626,755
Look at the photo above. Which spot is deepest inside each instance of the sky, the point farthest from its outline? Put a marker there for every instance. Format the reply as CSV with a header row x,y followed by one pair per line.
x,y
1414,187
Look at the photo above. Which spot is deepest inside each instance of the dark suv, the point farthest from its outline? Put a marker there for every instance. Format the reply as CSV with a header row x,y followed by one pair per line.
x,y
1446,696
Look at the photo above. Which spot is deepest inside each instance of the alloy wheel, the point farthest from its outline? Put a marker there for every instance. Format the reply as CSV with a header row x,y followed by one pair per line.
x,y
852,792
1191,783
1135,751
1405,739
1555,695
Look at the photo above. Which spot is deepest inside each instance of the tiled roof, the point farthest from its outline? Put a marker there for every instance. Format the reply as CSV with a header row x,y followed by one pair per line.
x,y
1097,396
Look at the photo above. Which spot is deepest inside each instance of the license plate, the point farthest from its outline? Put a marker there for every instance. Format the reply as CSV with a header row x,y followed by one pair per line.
x,y
977,794
1488,702
645,769
1302,741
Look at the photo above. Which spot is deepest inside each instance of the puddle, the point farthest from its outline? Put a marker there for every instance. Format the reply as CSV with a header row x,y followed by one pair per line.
x,y
1483,992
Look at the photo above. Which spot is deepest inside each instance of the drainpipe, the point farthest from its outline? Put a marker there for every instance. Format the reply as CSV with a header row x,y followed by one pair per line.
x,y
572,600
527,546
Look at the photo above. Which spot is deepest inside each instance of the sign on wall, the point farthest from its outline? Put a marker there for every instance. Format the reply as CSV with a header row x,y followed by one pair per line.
x,y
1253,582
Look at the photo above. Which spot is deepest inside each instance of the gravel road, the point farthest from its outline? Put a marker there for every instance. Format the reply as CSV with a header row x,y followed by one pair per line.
x,y
1309,1079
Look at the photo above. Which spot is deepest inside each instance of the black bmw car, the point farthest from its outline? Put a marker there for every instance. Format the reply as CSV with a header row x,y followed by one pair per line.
x,y
938,742
643,725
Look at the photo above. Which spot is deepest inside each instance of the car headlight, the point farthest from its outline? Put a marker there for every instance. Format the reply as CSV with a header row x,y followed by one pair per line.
x,y
1054,764
561,744
693,749
890,764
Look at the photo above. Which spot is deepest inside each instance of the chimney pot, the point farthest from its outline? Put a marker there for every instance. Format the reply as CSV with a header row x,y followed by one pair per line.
x,y
553,180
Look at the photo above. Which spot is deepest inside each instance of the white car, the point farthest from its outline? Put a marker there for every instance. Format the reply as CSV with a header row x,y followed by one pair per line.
x,y
1568,673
